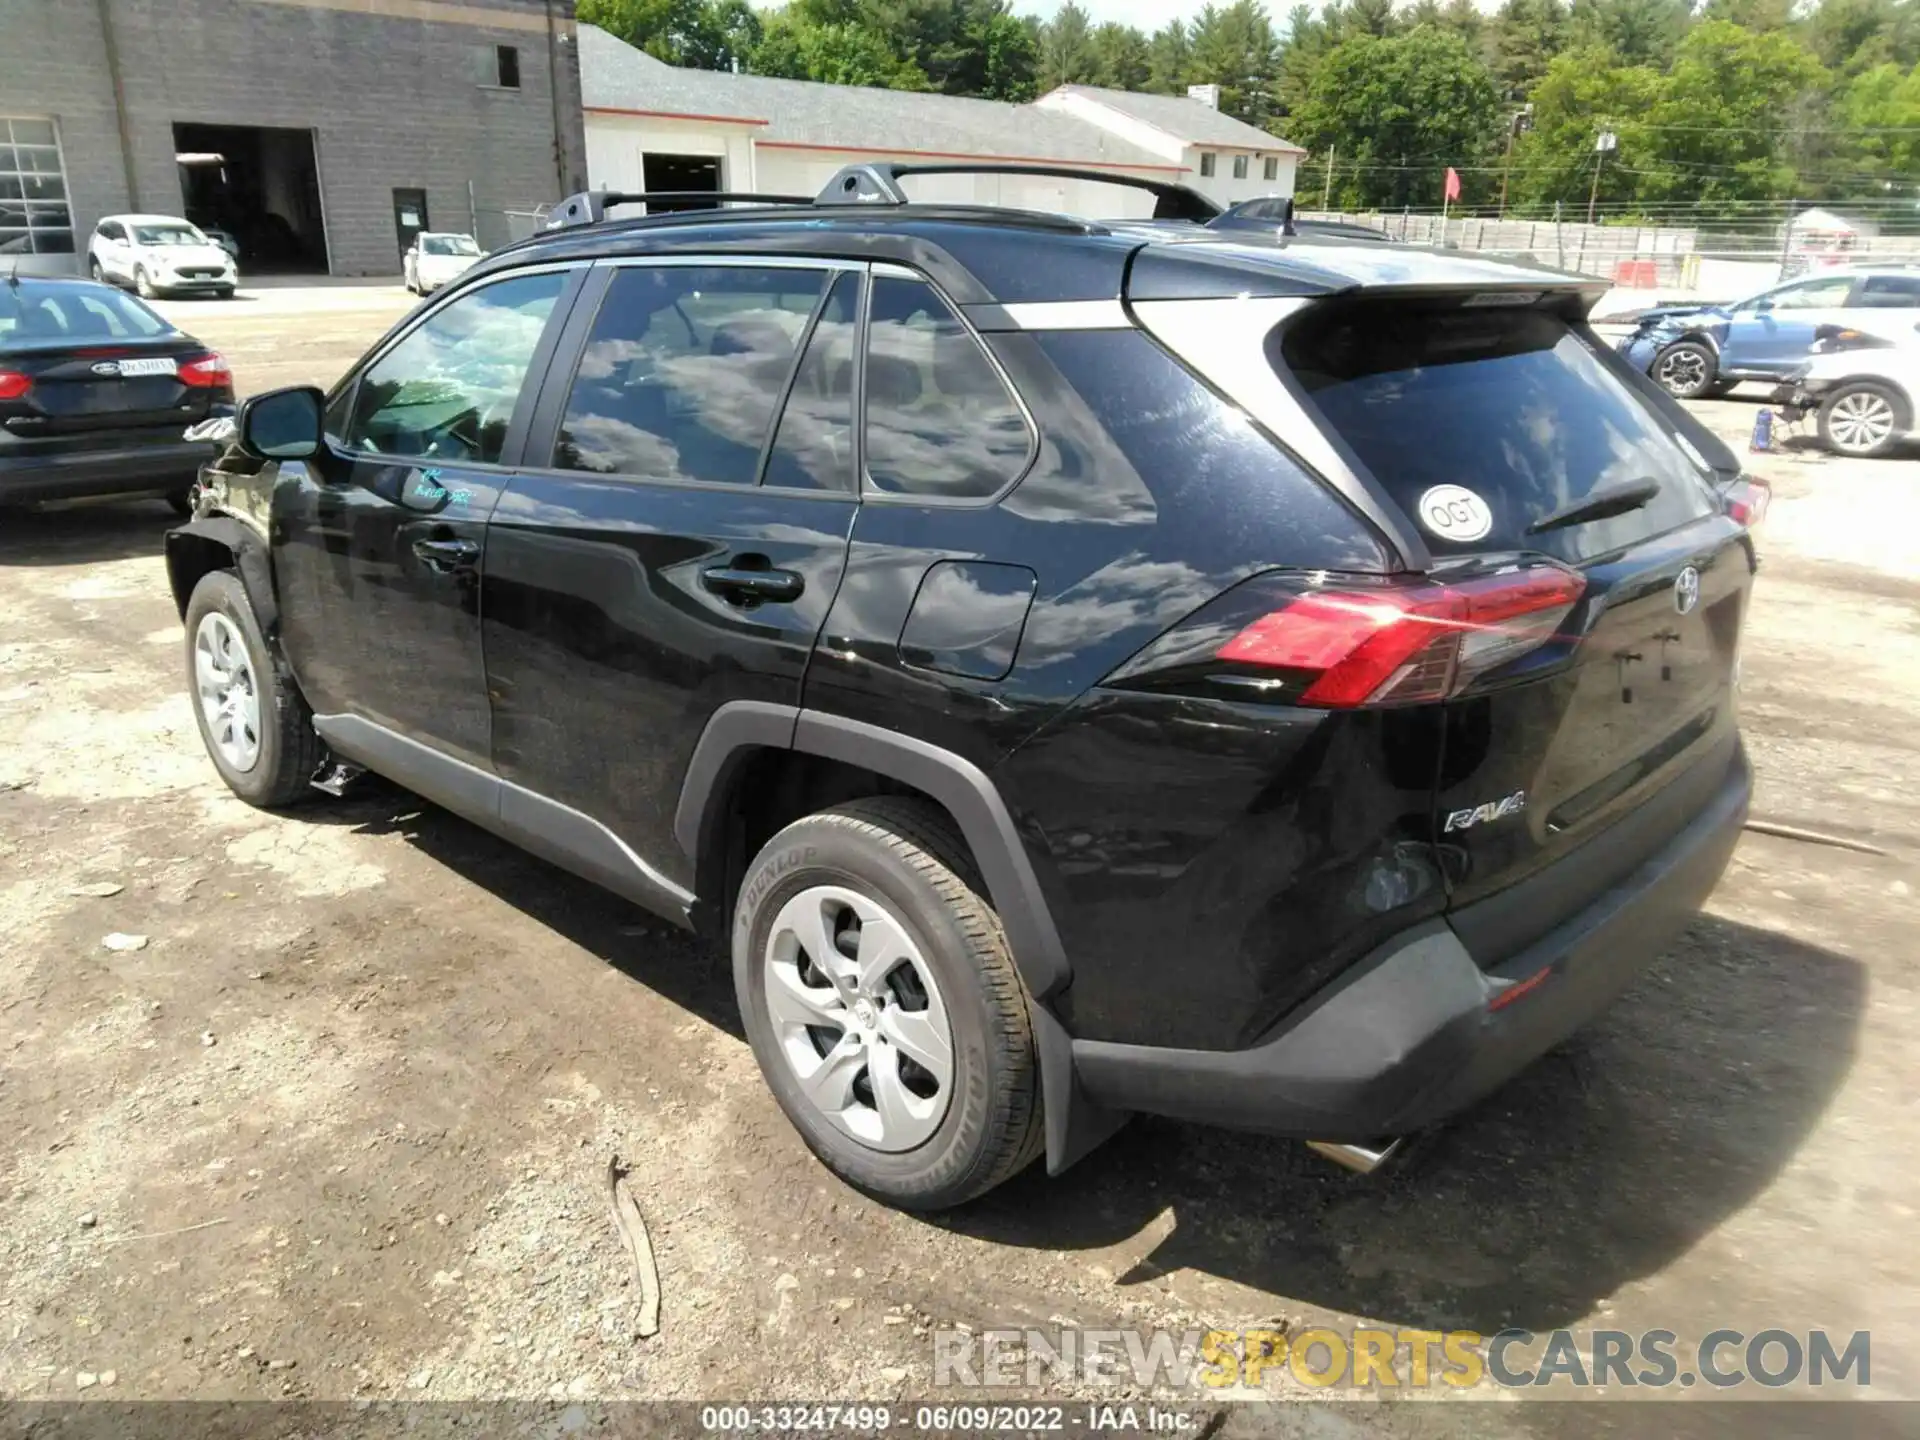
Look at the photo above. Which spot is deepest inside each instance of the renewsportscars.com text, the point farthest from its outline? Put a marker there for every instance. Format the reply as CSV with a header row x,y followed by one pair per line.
x,y
1374,1359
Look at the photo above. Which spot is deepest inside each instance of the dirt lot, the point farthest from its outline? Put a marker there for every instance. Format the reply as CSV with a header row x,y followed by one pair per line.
x,y
340,1127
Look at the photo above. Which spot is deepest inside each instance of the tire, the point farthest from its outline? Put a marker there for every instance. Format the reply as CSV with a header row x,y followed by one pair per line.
x,y
903,864
1720,389
226,294
93,269
1685,369
1864,419
286,750
142,284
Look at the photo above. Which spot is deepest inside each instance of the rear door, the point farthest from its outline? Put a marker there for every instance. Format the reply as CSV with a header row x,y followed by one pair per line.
x,y
1490,426
678,532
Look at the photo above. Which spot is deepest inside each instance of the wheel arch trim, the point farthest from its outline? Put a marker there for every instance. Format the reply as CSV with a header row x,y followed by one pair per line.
x,y
250,559
966,791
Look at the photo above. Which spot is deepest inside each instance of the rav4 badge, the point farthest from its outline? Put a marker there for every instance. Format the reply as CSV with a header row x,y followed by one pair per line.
x,y
1481,814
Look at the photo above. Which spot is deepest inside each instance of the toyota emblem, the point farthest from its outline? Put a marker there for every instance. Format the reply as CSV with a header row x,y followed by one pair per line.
x,y
1686,590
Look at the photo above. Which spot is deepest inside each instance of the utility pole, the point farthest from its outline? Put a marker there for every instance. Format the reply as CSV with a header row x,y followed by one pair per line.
x,y
1603,143
1326,190
1520,120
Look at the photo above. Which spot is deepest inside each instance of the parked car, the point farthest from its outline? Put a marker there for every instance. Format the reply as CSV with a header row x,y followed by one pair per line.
x,y
159,255
1693,351
96,392
436,258
1861,388
1077,668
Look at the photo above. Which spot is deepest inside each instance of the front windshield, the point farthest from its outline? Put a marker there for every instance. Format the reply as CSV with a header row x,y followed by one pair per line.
x,y
168,235
450,245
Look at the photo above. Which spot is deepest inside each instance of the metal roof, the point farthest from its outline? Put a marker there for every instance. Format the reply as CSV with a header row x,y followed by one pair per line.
x,y
1184,119
618,79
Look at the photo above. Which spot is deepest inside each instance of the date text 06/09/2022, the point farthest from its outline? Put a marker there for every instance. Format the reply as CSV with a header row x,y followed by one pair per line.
x,y
1099,1419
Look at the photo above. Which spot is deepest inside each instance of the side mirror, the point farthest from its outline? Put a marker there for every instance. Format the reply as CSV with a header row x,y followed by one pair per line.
x,y
1763,304
282,424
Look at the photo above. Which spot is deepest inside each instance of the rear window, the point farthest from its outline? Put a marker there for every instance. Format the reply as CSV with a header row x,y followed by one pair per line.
x,y
1508,404
33,314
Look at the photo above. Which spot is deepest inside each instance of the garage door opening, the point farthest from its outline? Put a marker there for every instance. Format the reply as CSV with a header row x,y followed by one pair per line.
x,y
262,187
681,172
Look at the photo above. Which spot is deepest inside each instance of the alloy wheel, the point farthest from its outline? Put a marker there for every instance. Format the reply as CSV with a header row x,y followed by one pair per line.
x,y
1682,371
1861,421
859,1018
229,697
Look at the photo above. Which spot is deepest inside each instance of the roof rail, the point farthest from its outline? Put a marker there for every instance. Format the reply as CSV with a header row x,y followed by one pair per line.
x,y
878,183
590,207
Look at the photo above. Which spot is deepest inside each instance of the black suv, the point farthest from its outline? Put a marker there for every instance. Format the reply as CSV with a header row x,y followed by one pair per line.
x,y
1084,668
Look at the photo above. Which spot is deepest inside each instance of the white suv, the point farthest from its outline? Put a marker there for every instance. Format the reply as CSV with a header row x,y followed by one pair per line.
x,y
159,255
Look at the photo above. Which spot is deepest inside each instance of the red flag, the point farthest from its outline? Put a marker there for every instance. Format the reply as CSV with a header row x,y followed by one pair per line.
x,y
1452,190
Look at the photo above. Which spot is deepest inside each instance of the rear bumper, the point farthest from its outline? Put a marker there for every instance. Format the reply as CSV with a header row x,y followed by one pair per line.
x,y
1407,1037
133,470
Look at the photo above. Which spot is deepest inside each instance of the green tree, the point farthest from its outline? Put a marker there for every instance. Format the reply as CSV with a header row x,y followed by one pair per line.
x,y
1583,93
1522,40
1880,110
1170,59
1752,14
836,53
1718,120
1399,110
1235,48
1122,59
1638,32
1013,60
706,34
1066,49
1852,36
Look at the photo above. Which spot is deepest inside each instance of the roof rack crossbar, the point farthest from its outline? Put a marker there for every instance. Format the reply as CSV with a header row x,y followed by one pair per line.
x,y
878,183
590,207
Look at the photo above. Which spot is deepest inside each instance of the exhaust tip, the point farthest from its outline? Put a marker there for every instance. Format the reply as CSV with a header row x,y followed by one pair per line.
x,y
1363,1159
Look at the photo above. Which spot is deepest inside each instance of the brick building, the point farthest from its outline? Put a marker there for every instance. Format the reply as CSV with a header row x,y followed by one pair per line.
x,y
319,133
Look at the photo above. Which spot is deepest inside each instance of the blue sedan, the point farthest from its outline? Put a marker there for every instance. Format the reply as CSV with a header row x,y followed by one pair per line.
x,y
1693,351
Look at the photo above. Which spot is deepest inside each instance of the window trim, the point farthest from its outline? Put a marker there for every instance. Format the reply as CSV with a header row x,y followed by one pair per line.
x,y
500,53
521,424
1209,164
1242,167
1270,167
543,428
869,493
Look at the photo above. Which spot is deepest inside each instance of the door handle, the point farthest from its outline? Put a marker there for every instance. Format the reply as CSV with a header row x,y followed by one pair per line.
x,y
446,556
743,584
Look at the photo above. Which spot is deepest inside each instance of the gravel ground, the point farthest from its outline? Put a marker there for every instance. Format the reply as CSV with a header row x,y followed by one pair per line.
x,y
339,1126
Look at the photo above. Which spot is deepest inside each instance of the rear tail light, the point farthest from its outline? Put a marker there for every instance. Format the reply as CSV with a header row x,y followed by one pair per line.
x,y
208,370
1746,500
13,384
1404,646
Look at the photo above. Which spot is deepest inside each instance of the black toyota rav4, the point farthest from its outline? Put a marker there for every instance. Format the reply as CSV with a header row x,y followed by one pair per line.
x,y
1080,668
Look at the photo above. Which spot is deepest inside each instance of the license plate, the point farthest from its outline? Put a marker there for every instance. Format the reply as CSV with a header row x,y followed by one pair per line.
x,y
163,366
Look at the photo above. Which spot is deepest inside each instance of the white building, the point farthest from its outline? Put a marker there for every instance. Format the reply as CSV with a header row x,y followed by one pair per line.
x,y
655,126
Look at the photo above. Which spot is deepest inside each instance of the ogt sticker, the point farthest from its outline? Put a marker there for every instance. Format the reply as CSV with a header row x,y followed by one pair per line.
x,y
1454,512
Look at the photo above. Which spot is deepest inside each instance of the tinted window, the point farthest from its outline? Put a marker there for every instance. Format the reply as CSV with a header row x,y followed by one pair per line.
x,y
813,448
447,391
1890,292
1507,403
33,310
683,371
940,420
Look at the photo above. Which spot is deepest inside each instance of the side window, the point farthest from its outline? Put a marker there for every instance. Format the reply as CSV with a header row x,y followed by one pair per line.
x,y
683,370
1207,162
1890,292
813,448
940,420
1239,167
1272,171
1814,294
447,391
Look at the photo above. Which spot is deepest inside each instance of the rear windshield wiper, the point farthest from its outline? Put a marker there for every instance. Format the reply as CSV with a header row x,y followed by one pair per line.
x,y
1601,505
